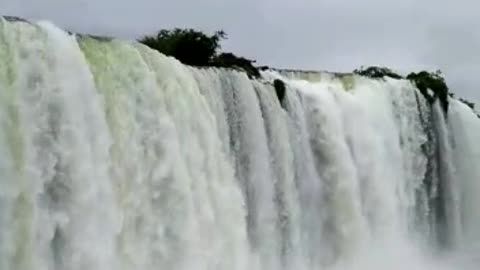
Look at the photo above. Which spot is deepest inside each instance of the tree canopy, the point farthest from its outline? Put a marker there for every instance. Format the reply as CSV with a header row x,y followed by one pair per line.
x,y
189,46
196,48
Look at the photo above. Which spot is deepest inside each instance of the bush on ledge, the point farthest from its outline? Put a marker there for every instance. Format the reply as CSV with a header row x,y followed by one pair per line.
x,y
195,48
229,60
434,82
377,72
189,46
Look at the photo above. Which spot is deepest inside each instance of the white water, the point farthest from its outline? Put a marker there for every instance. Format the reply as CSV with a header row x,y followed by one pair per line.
x,y
113,156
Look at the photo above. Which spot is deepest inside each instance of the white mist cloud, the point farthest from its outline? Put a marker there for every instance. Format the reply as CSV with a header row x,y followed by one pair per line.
x,y
335,35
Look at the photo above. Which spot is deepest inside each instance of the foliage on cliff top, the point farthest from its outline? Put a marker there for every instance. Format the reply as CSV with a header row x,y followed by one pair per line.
x,y
377,72
431,84
229,60
434,82
189,46
196,48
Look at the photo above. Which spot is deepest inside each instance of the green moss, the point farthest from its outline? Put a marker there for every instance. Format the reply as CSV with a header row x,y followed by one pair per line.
x,y
434,82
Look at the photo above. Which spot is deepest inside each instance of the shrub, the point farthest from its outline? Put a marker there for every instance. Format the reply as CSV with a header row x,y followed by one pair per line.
x,y
196,48
189,46
229,60
377,72
425,80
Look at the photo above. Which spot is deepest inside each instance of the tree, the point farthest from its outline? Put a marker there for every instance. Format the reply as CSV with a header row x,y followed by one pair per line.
x,y
189,46
196,48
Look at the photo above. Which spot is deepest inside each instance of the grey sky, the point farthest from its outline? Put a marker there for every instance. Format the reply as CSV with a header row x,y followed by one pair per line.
x,y
337,35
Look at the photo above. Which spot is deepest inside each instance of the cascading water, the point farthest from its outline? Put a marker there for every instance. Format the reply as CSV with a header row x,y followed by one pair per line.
x,y
114,156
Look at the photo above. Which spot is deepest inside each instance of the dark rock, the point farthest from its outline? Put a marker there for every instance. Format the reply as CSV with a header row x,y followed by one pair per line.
x,y
280,89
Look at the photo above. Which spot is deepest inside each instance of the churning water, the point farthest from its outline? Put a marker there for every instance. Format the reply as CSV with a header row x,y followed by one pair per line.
x,y
115,157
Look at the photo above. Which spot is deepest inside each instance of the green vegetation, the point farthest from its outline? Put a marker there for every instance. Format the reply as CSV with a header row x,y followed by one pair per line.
x,y
377,72
189,46
229,60
434,82
198,49
431,84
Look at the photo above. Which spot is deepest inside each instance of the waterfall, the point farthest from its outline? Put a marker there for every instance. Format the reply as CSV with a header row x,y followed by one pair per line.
x,y
114,156
465,128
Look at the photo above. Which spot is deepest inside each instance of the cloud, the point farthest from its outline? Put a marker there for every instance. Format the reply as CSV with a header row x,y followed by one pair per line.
x,y
327,34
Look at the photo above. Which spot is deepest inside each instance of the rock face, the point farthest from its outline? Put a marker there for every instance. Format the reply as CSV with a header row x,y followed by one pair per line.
x,y
279,89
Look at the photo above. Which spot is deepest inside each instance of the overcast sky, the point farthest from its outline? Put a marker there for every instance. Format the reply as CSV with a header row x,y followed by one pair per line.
x,y
336,35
